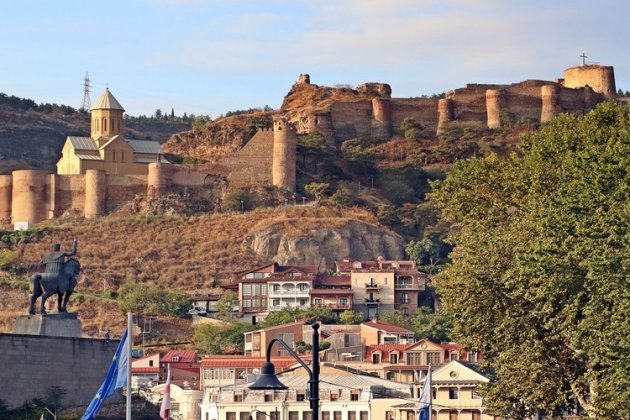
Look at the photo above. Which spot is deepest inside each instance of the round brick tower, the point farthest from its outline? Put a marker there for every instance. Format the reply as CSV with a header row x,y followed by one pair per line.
x,y
381,118
95,193
446,113
494,104
550,102
29,196
600,78
159,180
6,185
284,144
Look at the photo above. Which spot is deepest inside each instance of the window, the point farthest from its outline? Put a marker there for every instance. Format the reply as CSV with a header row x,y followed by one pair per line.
x,y
433,358
261,415
343,301
230,415
303,287
268,397
404,298
393,358
354,395
363,415
104,124
454,356
122,156
452,415
114,155
275,302
294,415
275,287
413,359
334,395
376,358
405,311
274,415
337,415
472,357
238,397
150,363
113,125
475,415
300,396
453,393
390,376
325,415
307,415
243,415
317,301
352,415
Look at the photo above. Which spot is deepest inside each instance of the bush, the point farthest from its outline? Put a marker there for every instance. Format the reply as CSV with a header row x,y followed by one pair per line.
x,y
238,200
351,317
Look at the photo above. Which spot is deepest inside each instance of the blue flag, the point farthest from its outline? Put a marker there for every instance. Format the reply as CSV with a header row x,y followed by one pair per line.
x,y
116,378
424,404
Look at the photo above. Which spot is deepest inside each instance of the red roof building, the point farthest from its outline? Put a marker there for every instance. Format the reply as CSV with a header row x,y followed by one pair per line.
x,y
184,368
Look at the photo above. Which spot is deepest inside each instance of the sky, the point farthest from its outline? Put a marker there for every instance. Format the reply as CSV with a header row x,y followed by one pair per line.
x,y
210,57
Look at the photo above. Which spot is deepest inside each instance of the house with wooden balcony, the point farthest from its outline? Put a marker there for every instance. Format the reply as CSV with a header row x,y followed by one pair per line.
x,y
256,342
333,292
383,285
272,287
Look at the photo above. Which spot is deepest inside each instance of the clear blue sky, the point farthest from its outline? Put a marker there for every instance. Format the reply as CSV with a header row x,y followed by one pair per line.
x,y
209,57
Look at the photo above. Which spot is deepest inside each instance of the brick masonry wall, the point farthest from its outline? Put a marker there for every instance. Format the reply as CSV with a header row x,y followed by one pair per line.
x,y
123,188
31,365
70,193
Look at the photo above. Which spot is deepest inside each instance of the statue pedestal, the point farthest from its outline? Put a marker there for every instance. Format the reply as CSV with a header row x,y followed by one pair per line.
x,y
52,325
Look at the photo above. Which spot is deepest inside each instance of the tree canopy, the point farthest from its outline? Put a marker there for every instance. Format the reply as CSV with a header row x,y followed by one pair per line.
x,y
539,279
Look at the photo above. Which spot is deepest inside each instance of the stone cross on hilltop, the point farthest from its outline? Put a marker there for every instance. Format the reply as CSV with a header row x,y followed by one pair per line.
x,y
583,59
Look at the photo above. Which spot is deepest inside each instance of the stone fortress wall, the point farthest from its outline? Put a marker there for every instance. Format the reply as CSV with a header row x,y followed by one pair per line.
x,y
484,105
269,158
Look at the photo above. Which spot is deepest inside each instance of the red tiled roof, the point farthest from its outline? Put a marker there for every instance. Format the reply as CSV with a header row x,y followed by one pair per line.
x,y
248,362
385,350
387,327
137,359
185,356
334,281
155,369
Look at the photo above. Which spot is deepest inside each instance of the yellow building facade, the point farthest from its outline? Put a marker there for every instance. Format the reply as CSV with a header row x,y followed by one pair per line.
x,y
107,149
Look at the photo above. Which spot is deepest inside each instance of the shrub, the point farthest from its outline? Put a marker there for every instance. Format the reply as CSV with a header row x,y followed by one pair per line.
x,y
148,300
238,200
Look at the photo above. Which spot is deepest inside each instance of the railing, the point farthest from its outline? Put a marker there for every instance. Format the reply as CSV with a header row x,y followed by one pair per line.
x,y
338,306
296,292
408,285
372,286
372,301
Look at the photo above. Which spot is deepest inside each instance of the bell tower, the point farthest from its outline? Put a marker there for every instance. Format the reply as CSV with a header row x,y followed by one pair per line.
x,y
107,118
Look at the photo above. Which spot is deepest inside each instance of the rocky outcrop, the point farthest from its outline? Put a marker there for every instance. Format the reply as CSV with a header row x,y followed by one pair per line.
x,y
322,246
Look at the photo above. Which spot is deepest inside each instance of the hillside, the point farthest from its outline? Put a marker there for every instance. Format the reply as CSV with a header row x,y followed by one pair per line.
x,y
193,254
31,135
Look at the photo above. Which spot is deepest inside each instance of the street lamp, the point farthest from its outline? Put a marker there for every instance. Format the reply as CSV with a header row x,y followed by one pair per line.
x,y
269,381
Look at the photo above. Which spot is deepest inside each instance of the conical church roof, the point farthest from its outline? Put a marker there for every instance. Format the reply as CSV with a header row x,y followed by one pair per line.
x,y
107,101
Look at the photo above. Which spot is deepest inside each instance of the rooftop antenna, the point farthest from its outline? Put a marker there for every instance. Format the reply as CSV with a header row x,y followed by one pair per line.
x,y
86,104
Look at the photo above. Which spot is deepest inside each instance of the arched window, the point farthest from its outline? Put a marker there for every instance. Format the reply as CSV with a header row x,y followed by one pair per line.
x,y
113,125
104,124
97,125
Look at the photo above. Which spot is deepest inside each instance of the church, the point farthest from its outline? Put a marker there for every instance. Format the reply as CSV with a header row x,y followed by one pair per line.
x,y
107,149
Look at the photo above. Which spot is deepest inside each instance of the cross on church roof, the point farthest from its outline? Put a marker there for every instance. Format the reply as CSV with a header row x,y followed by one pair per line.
x,y
583,59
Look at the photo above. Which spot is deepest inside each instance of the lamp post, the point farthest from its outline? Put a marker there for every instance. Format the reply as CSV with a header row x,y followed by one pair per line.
x,y
269,381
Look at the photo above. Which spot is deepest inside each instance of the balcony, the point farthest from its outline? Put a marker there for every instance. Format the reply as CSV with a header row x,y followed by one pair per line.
x,y
372,286
335,306
409,285
372,302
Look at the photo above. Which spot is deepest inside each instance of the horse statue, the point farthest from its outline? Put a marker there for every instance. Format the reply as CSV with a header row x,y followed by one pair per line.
x,y
59,277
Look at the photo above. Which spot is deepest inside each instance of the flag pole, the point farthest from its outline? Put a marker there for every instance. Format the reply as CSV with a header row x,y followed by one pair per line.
x,y
430,393
129,347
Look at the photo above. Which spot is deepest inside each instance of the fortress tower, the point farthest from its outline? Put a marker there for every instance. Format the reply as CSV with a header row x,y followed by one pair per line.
x,y
600,78
107,118
284,156
495,102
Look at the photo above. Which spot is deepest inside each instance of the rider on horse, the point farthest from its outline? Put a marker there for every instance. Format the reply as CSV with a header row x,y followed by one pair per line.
x,y
54,261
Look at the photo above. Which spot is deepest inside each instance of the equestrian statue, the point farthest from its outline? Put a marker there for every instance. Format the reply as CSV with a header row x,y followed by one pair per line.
x,y
59,277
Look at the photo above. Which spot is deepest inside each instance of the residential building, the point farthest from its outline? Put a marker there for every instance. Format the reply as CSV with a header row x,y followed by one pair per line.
x,y
343,396
333,292
184,368
106,148
221,370
256,342
345,342
145,371
272,287
384,285
381,332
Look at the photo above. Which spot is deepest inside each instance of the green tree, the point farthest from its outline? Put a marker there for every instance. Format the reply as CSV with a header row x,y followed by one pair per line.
x,y
225,305
283,316
396,317
217,339
428,252
434,326
388,215
318,313
199,124
149,300
238,200
411,128
540,275
351,317
317,189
